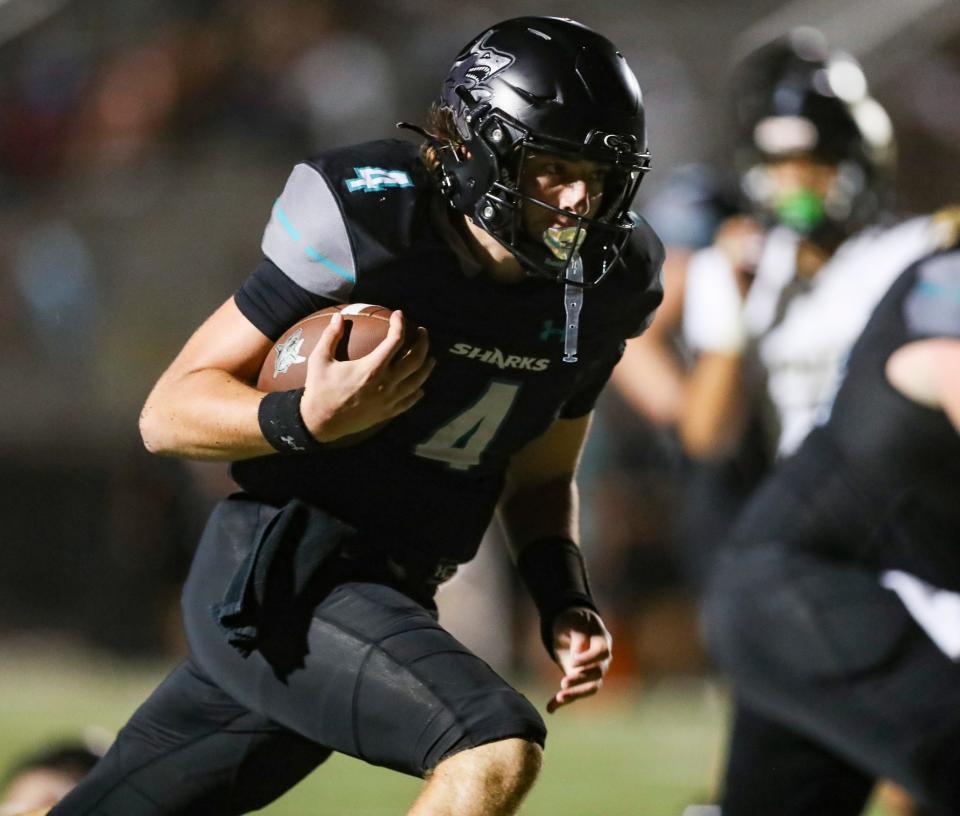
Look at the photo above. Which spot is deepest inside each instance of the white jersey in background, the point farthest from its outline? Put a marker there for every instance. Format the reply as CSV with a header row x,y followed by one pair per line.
x,y
798,331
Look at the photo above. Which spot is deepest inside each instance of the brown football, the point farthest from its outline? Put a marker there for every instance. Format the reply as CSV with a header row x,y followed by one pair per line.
x,y
285,367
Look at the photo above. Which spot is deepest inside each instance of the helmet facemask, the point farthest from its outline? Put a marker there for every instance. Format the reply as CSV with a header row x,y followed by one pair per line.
x,y
483,179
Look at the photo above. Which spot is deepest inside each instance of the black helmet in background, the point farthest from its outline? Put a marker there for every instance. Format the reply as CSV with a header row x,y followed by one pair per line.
x,y
793,97
543,84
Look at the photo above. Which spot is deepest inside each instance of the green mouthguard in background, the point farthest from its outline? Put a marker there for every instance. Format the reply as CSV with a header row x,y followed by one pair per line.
x,y
802,211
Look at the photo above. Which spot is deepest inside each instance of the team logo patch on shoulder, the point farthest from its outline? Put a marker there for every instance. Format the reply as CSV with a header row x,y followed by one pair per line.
x,y
376,179
288,353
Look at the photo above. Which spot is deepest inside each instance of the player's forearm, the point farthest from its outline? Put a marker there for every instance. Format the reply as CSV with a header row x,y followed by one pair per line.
x,y
946,367
928,372
207,414
650,380
713,417
540,497
650,376
951,404
541,511
541,526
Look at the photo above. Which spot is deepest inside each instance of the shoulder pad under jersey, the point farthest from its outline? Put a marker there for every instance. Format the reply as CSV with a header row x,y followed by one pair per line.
x,y
644,261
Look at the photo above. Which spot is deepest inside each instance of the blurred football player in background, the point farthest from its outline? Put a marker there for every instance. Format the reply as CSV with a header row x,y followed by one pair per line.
x,y
838,680
772,308
309,608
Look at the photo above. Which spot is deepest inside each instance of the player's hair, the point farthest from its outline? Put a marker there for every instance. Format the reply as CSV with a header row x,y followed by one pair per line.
x,y
440,126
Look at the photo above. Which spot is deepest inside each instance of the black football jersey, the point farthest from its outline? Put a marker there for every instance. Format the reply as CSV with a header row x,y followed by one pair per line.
x,y
880,479
364,225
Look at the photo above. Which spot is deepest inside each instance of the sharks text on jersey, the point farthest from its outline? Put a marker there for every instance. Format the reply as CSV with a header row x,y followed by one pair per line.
x,y
497,358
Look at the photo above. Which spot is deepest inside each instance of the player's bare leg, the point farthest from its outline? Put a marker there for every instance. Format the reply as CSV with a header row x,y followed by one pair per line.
x,y
490,780
896,800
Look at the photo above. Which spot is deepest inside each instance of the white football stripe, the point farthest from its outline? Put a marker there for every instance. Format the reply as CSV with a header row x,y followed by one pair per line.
x,y
355,308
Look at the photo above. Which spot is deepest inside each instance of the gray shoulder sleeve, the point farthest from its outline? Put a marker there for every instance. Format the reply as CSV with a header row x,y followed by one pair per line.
x,y
933,306
307,239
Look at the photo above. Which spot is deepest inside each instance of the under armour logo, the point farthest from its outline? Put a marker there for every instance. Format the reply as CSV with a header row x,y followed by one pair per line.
x,y
549,331
290,442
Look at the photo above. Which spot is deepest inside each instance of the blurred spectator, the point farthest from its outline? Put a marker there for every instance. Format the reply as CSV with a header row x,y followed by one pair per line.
x,y
113,210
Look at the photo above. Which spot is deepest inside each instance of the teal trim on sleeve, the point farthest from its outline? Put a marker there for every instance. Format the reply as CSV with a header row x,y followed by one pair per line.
x,y
311,253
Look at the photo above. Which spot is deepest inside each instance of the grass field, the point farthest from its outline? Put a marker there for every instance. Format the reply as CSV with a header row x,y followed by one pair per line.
x,y
646,752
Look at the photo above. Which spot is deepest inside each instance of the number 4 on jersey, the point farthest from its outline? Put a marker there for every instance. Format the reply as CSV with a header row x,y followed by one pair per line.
x,y
462,441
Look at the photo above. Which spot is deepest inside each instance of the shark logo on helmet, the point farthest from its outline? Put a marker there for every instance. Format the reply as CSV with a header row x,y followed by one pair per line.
x,y
482,62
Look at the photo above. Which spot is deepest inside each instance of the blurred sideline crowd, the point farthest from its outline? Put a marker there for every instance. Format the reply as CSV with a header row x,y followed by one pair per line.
x,y
137,156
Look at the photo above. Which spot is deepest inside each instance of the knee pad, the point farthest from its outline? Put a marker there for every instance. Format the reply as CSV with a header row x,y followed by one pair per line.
x,y
499,715
422,697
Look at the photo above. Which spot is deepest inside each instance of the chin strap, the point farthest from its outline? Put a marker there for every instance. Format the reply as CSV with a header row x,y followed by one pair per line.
x,y
572,294
572,303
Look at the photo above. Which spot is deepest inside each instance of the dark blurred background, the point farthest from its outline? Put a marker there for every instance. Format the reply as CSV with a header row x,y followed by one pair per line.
x,y
141,147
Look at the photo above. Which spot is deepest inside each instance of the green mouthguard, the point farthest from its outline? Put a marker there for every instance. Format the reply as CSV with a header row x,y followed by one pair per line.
x,y
560,241
802,211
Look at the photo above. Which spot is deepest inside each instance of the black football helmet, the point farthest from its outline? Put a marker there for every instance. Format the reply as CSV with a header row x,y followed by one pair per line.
x,y
795,97
544,84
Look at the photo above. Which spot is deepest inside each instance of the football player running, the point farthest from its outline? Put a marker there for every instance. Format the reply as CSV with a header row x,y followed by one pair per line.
x,y
309,606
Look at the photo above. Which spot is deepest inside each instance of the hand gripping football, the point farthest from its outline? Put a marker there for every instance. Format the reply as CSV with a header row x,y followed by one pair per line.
x,y
285,367
364,327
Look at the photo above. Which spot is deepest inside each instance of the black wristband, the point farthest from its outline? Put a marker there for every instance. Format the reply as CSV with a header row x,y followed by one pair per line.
x,y
554,573
281,423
